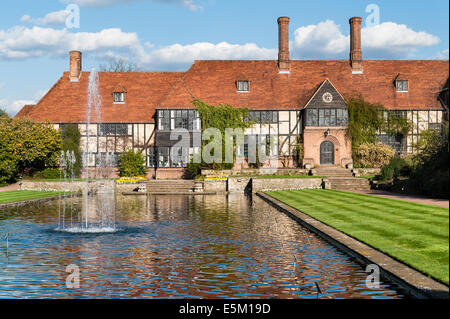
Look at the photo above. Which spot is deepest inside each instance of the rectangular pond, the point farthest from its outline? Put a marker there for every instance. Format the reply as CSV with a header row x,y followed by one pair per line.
x,y
221,246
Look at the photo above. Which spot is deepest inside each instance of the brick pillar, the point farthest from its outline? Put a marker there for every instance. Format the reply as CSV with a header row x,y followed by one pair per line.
x,y
284,64
355,45
75,66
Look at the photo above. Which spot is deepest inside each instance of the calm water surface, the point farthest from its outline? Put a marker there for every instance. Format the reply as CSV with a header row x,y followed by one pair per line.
x,y
177,247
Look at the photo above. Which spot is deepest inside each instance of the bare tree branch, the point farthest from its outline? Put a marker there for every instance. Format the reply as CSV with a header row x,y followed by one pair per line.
x,y
118,65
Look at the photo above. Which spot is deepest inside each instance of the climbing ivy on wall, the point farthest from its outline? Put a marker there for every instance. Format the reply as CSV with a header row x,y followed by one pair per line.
x,y
367,120
220,117
396,125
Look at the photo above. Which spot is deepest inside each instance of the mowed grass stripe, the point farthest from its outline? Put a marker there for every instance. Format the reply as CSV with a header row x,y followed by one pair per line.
x,y
17,196
370,219
393,216
441,212
334,204
369,225
416,234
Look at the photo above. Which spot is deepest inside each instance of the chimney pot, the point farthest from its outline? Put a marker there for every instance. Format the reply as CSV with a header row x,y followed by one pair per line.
x,y
75,66
355,45
284,64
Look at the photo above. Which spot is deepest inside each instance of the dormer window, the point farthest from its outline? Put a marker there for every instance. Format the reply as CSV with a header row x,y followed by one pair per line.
x,y
402,85
243,86
119,97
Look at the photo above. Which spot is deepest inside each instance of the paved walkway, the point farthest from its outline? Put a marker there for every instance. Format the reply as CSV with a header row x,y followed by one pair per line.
x,y
409,198
12,187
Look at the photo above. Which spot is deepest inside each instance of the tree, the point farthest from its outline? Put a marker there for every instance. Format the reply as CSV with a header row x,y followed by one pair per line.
x,y
118,65
430,173
27,146
3,113
367,120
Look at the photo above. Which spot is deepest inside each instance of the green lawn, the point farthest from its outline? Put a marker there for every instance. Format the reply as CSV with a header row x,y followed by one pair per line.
x,y
16,196
413,233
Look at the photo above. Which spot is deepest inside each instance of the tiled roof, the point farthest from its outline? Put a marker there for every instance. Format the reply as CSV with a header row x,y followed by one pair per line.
x,y
66,101
215,83
24,111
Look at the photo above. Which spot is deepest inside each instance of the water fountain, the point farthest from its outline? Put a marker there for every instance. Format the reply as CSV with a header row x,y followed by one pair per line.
x,y
98,192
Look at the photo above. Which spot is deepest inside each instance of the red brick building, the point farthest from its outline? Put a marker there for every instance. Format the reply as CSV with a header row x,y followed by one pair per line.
x,y
287,98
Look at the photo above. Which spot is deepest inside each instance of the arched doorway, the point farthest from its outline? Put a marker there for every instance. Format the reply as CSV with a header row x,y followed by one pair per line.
x,y
327,153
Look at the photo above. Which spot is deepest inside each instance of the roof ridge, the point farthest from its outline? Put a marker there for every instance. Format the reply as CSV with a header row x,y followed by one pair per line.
x,y
174,85
51,89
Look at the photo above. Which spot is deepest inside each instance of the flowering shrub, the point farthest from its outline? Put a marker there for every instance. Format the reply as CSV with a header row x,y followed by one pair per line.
x,y
131,180
132,164
374,155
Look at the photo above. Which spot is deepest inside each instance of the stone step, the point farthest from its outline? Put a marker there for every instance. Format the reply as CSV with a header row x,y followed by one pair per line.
x,y
333,172
170,186
349,184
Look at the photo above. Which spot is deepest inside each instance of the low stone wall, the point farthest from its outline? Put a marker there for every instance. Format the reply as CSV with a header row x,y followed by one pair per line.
x,y
35,201
366,171
239,184
263,184
53,186
77,186
220,187
258,172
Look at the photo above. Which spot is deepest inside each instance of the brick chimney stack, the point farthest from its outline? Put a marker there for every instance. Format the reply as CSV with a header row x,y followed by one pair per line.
x,y
355,45
284,64
75,66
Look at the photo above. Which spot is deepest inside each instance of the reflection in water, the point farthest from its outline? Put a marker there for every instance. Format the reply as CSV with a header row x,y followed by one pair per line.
x,y
178,247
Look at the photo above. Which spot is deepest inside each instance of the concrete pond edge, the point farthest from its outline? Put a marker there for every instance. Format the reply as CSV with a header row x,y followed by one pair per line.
x,y
412,281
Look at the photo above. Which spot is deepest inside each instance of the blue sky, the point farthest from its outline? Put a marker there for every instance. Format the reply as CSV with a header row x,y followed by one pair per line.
x,y
169,34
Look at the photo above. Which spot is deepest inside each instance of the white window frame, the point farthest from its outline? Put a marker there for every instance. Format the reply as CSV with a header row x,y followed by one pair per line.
x,y
122,94
400,89
238,86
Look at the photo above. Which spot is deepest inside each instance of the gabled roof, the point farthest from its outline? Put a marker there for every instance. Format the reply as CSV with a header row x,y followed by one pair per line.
x,y
214,83
26,109
317,98
67,101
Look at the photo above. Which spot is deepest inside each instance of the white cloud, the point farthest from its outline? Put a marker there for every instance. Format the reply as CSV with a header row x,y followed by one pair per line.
x,y
14,106
321,41
57,18
387,40
442,55
182,55
21,43
189,4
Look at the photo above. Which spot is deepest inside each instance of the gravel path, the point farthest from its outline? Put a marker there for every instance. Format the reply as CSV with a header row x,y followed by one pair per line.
x,y
409,198
12,187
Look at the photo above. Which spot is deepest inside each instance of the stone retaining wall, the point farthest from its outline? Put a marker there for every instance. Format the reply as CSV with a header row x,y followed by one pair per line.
x,y
366,171
216,186
233,185
258,172
35,201
53,186
239,184
285,183
77,186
